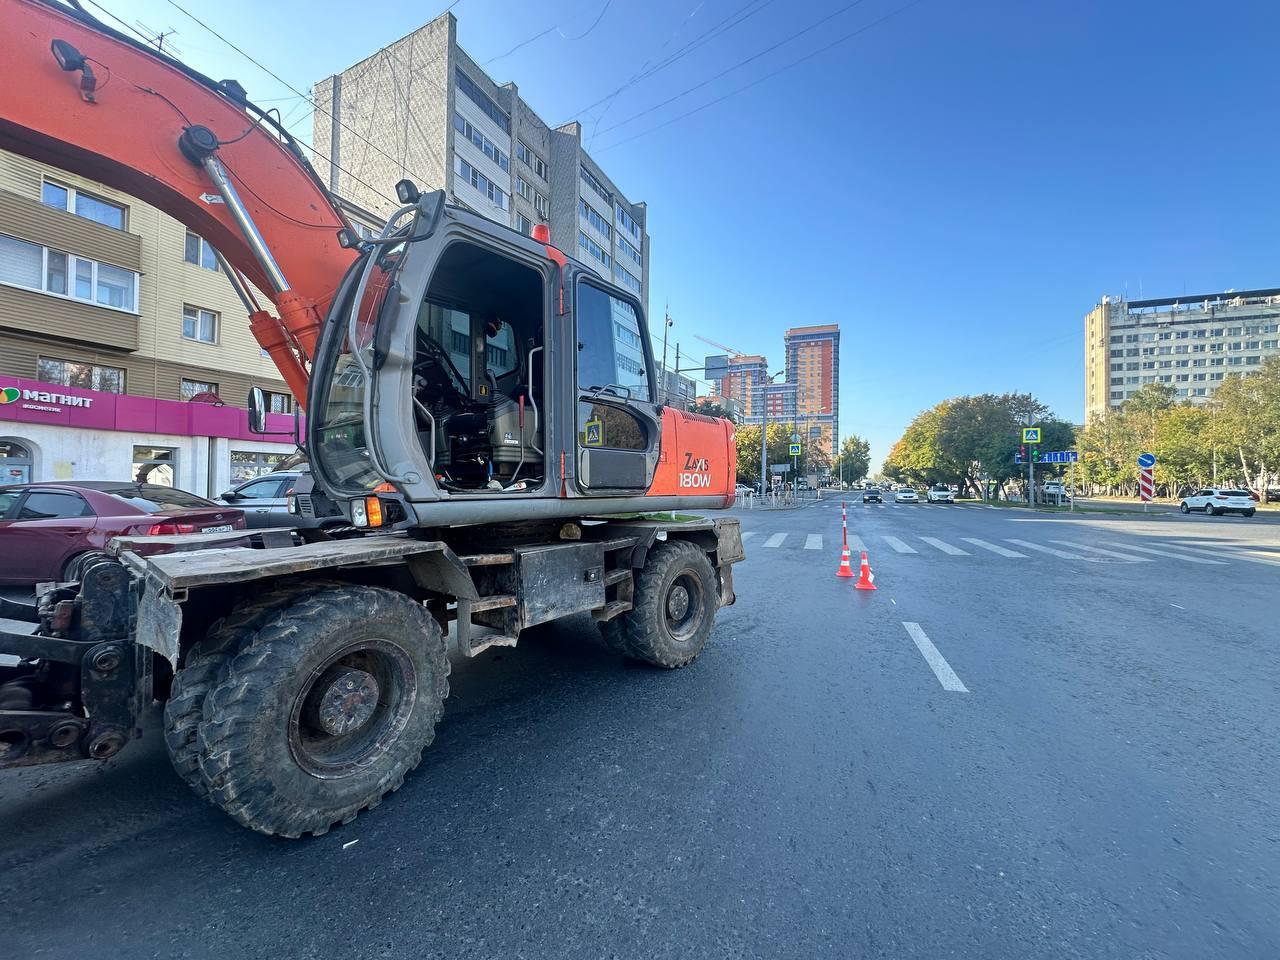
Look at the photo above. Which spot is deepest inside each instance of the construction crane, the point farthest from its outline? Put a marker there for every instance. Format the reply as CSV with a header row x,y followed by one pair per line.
x,y
720,346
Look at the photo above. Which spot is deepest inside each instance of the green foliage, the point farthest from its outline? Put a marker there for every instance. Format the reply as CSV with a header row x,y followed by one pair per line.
x,y
747,440
709,409
854,460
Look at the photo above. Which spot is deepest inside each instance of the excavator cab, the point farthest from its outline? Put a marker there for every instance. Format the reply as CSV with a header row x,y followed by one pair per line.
x,y
462,361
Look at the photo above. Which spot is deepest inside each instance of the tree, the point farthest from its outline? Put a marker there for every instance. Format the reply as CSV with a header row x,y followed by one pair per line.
x,y
1245,423
854,460
709,409
747,441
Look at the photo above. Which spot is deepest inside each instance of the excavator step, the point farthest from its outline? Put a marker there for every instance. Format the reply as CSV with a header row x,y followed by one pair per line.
x,y
617,576
492,603
480,642
611,609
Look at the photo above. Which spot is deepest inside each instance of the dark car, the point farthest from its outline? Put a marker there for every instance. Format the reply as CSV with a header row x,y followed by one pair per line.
x,y
872,495
44,527
265,499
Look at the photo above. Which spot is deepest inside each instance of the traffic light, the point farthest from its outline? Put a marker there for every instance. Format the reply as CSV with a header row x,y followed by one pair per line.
x,y
1035,454
1021,455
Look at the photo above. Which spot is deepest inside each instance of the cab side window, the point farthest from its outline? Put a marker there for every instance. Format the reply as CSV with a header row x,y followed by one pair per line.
x,y
610,351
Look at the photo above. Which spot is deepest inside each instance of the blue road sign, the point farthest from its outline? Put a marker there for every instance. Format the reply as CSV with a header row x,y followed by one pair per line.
x,y
1030,434
1146,460
1060,456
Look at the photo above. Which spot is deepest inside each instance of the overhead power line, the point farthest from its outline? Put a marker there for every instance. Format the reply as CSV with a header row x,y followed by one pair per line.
x,y
768,76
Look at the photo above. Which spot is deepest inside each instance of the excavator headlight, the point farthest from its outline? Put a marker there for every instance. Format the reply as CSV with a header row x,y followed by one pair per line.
x,y
359,517
68,57
407,192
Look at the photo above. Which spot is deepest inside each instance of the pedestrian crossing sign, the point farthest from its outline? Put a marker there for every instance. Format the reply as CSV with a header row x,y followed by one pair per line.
x,y
593,434
795,450
1030,434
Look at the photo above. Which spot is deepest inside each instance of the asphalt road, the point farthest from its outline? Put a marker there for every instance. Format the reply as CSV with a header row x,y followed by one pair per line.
x,y
1054,754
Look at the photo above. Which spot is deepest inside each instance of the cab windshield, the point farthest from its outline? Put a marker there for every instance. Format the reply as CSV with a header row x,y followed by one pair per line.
x,y
339,433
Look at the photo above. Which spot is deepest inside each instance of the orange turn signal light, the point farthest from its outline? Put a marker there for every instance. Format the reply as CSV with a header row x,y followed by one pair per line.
x,y
373,510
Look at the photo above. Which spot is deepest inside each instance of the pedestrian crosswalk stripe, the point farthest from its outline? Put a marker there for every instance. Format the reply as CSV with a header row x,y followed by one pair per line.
x,y
1167,553
1233,553
775,540
1106,553
749,533
1043,549
899,545
945,547
813,541
855,544
994,548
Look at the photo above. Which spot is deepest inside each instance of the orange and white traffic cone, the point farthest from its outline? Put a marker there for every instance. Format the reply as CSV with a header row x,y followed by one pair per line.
x,y
866,579
845,569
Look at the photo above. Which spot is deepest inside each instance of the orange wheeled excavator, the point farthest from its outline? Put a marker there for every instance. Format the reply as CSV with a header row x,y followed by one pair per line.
x,y
483,432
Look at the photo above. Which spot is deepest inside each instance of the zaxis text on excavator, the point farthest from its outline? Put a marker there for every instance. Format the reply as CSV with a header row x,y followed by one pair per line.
x,y
482,427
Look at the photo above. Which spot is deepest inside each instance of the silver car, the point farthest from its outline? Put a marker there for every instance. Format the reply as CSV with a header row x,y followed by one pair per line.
x,y
265,499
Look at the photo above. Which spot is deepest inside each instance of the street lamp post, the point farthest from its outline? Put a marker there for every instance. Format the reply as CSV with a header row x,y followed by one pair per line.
x,y
764,429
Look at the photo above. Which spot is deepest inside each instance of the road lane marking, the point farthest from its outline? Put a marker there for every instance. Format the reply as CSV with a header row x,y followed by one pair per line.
x,y
945,547
994,548
1236,553
1043,549
899,545
855,544
775,540
937,662
749,533
813,541
1175,605
1166,553
1106,553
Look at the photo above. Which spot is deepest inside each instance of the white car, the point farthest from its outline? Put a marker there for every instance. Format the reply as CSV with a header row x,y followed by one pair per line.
x,y
906,495
940,493
742,490
1216,500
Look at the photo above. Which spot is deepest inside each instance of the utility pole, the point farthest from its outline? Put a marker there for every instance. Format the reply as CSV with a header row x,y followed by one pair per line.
x,y
764,438
677,383
666,325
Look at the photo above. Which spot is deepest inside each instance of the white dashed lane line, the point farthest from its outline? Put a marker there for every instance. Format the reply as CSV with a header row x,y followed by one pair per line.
x,y
813,541
937,662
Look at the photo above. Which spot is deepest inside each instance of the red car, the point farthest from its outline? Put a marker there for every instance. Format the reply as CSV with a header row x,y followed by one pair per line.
x,y
45,526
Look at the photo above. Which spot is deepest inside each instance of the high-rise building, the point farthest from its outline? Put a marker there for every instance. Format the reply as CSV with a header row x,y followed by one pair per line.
x,y
813,365
124,352
743,374
422,108
1192,343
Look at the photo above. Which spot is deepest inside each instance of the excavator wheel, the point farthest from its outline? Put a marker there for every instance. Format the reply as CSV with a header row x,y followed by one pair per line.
x,y
324,710
673,610
204,667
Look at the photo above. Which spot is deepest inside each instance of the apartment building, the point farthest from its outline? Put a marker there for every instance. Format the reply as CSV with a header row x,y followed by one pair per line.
x,y
738,377
422,108
813,365
1192,343
124,352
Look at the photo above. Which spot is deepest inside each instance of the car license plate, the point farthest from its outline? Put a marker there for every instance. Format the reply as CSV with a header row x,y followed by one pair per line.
x,y
224,528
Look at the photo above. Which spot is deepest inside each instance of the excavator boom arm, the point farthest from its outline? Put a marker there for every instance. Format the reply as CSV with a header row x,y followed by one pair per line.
x,y
106,107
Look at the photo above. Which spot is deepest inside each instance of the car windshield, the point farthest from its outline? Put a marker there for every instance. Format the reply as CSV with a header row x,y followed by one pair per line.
x,y
153,498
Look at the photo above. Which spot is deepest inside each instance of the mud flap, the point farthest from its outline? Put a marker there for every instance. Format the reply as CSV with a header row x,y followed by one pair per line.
x,y
159,620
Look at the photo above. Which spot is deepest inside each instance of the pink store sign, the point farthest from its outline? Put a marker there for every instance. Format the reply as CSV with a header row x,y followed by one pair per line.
x,y
30,401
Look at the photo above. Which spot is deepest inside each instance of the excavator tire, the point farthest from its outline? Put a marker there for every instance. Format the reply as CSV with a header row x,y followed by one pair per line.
x,y
324,710
674,608
204,667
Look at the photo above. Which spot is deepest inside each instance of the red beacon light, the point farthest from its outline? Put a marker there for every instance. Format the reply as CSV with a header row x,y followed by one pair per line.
x,y
541,233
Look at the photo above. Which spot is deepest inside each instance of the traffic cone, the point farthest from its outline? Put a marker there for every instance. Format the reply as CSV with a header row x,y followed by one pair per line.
x,y
845,569
866,579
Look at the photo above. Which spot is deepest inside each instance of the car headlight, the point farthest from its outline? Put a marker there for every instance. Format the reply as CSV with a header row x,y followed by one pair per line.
x,y
358,515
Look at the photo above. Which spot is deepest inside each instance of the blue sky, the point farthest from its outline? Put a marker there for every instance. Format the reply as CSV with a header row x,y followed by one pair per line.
x,y
954,186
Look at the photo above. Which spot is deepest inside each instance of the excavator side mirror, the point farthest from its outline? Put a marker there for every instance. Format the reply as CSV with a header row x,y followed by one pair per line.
x,y
257,409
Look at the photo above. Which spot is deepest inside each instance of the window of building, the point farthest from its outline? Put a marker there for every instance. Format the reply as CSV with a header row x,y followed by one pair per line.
x,y
1252,361
1216,376
497,196
524,224
278,402
1251,344
1168,335
523,188
1117,353
16,462
1271,328
1117,366
1199,376
626,278
1131,366
1182,377
1130,338
199,324
1234,331
626,222
1235,361
86,376
1148,365
1269,344
199,252
1148,351
1130,351
1130,380
1217,331
1199,391
1198,362
1117,394
191,388
591,181
632,253
154,465
1117,381
588,245
531,159
1147,337
482,100
1165,364
1117,338
1182,335
485,145
1216,361
1181,348
1165,378
29,265
83,204
247,464
592,216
